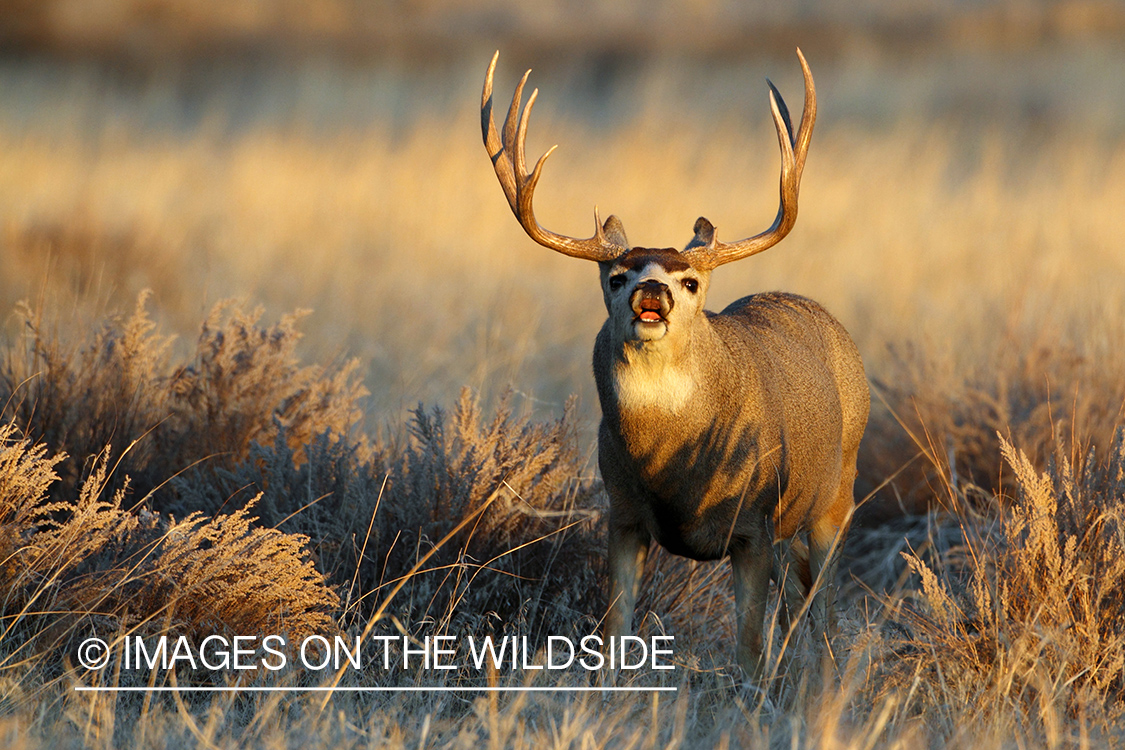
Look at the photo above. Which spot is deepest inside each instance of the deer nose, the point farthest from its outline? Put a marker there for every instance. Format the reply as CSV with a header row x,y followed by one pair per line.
x,y
651,294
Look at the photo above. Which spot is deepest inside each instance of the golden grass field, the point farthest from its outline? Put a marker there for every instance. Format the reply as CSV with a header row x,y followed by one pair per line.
x,y
960,214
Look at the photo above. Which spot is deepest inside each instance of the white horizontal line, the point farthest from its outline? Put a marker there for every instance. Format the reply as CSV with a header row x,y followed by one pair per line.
x,y
467,688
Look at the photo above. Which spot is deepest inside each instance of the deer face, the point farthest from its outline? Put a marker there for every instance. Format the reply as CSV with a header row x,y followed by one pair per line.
x,y
651,294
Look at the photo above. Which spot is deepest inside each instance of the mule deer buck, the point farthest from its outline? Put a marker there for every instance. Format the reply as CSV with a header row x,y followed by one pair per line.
x,y
720,433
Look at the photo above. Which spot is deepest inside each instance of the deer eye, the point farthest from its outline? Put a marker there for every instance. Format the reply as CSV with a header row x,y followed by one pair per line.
x,y
616,281
692,285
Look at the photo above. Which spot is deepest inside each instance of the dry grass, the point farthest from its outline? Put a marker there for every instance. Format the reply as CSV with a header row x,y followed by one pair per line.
x,y
162,476
89,563
1018,633
243,386
1011,632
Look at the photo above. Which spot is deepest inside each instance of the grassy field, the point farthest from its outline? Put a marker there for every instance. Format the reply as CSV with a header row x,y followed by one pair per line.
x,y
275,435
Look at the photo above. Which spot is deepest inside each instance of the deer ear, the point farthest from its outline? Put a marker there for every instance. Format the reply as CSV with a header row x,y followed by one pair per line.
x,y
615,232
704,234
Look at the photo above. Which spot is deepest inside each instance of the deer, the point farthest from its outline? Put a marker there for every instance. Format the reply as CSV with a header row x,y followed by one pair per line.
x,y
722,434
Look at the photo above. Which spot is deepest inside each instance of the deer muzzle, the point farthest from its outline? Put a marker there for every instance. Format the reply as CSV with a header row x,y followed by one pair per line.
x,y
651,301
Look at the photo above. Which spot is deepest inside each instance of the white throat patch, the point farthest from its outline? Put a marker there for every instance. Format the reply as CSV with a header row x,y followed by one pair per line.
x,y
649,382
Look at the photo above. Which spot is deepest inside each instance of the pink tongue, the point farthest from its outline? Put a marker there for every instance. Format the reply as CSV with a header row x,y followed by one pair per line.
x,y
650,317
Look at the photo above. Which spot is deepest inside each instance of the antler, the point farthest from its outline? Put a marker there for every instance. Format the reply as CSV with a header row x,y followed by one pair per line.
x,y
704,251
507,154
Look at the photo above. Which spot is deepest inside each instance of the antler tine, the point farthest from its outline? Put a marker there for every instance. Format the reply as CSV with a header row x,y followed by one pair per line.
x,y
515,126
808,115
521,138
705,250
492,142
506,150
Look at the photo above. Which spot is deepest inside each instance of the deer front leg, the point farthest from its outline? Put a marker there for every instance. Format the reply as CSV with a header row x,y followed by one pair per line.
x,y
791,574
628,548
822,568
826,537
751,565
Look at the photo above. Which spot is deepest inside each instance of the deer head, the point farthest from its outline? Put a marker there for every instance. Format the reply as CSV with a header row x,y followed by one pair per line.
x,y
647,291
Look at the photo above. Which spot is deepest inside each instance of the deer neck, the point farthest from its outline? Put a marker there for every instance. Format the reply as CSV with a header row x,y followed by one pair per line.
x,y
659,376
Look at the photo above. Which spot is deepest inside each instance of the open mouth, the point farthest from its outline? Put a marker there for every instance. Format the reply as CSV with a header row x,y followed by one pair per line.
x,y
650,311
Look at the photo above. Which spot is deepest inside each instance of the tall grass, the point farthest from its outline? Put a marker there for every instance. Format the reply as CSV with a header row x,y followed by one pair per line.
x,y
1006,630
119,392
1019,633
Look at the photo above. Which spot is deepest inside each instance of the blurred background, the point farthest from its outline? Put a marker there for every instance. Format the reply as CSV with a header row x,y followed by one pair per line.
x,y
961,207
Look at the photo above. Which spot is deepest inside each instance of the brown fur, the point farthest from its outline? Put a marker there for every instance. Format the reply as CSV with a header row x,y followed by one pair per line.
x,y
639,257
763,449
